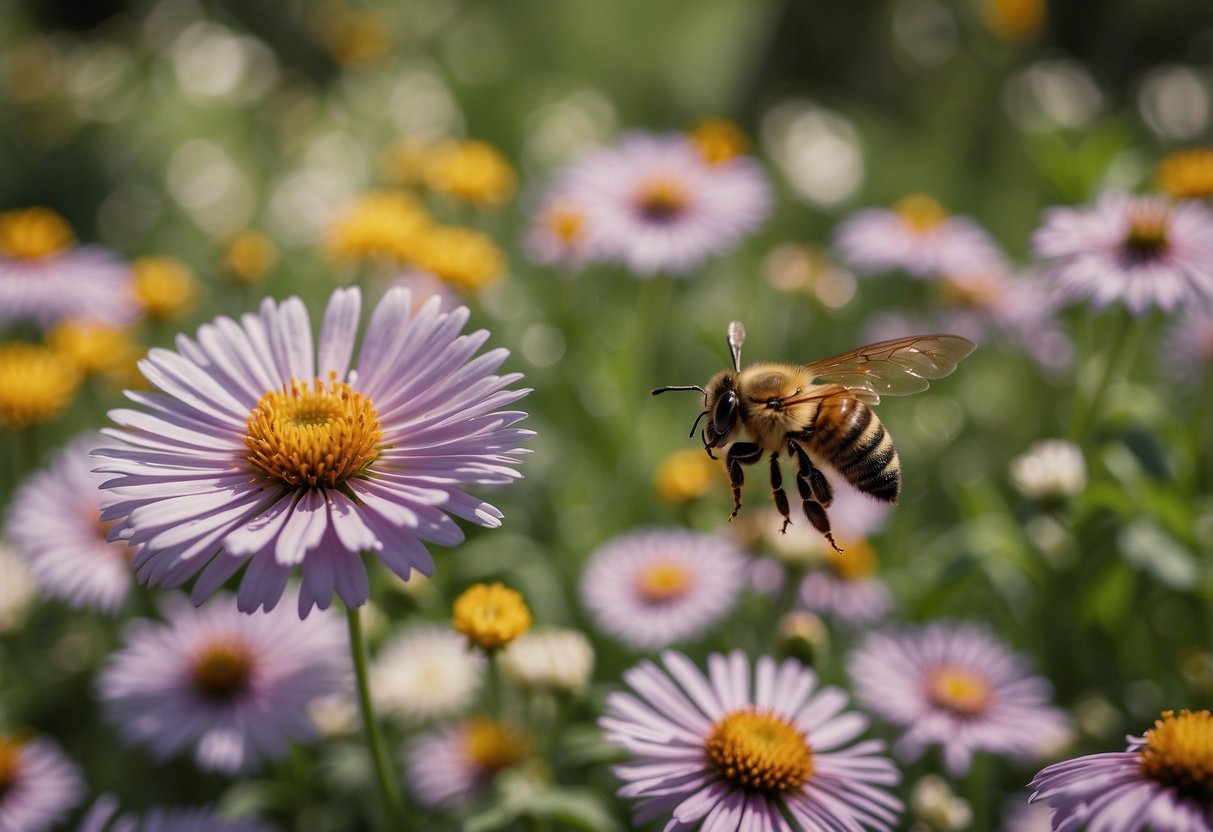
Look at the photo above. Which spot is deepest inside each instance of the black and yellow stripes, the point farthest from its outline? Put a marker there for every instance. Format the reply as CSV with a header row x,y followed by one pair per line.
x,y
848,435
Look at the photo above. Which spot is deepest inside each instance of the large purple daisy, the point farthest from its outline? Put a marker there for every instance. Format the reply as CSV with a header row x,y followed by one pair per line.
x,y
267,450
1163,781
716,753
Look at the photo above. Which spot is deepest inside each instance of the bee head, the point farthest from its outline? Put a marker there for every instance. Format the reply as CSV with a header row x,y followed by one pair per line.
x,y
723,409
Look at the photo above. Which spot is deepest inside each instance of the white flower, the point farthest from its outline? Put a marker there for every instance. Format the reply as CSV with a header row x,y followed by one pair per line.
x,y
16,589
558,660
1050,468
424,673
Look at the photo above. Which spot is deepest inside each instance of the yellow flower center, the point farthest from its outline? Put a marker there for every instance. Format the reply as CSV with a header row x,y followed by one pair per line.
x,y
164,286
92,347
385,226
10,761
313,437
462,257
959,690
857,564
249,255
31,233
565,221
1146,237
1015,20
661,199
664,581
1186,174
1179,753
920,213
36,384
222,670
685,475
473,171
718,140
492,745
760,751
491,616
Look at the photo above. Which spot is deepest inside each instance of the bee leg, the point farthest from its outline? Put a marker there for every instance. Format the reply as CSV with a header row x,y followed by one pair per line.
x,y
823,492
813,509
740,453
781,496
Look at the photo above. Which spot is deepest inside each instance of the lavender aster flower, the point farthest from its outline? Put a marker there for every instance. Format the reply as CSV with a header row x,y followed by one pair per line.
x,y
654,203
233,688
1188,344
38,784
715,752
559,234
55,524
101,818
1139,251
264,449
957,687
655,587
452,766
847,589
1163,781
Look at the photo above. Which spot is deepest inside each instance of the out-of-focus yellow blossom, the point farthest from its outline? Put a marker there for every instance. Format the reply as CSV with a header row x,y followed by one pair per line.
x,y
249,256
165,287
1186,174
920,212
491,615
719,140
94,348
36,384
404,161
354,36
466,259
473,171
32,233
686,475
858,563
494,745
1016,21
383,226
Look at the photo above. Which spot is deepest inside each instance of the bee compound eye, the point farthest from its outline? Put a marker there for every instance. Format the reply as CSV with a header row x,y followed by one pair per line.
x,y
724,414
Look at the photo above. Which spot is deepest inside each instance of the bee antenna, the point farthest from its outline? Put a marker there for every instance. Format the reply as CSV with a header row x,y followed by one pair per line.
x,y
660,390
697,419
736,337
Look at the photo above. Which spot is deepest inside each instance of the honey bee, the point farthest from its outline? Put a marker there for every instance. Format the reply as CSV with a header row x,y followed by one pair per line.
x,y
819,414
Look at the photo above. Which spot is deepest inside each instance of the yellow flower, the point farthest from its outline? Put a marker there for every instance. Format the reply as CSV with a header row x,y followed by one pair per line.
x,y
473,171
1186,174
92,347
1015,20
718,140
249,256
494,745
405,160
164,286
462,257
32,233
856,562
383,226
36,384
355,36
491,616
685,475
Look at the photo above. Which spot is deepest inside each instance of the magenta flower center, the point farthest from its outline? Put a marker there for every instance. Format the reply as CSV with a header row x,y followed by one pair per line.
x,y
222,670
960,690
661,199
760,752
1146,236
313,437
1179,753
664,581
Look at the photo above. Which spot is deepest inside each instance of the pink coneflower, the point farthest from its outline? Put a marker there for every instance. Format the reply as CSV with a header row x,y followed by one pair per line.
x,y
654,203
234,688
453,765
651,588
101,818
916,237
709,753
46,278
957,687
1188,344
1163,781
847,589
559,234
38,784
264,449
55,524
1139,251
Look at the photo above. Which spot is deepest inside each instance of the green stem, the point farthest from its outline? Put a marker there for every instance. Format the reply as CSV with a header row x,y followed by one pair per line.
x,y
492,685
1126,339
977,788
388,789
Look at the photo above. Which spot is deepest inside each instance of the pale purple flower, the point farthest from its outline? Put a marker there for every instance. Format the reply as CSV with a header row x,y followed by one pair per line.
x,y
83,282
1187,346
54,522
654,587
736,748
232,688
102,817
1163,781
655,204
269,451
853,601
1139,251
915,237
559,233
454,765
956,686
38,784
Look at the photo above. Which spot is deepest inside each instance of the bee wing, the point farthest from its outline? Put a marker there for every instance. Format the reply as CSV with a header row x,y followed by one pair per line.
x,y
893,368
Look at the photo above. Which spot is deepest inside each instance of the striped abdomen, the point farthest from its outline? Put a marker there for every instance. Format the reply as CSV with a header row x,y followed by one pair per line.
x,y
846,434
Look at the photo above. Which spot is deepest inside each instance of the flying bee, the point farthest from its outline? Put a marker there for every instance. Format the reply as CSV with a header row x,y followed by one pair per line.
x,y
818,414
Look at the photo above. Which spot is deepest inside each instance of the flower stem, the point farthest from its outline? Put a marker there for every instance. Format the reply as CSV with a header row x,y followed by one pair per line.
x,y
388,789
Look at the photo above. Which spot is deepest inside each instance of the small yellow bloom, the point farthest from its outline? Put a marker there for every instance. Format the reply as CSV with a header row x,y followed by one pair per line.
x,y
94,348
164,286
1016,21
36,384
473,171
494,745
32,233
249,256
491,616
685,475
462,257
856,562
383,226
1186,174
920,212
719,140
355,36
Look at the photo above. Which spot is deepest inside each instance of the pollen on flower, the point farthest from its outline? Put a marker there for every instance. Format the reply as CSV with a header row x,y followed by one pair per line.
x,y
222,670
1179,753
493,745
164,286
664,581
36,384
491,615
1186,174
960,690
920,212
315,436
856,562
661,199
32,233
718,140
759,751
